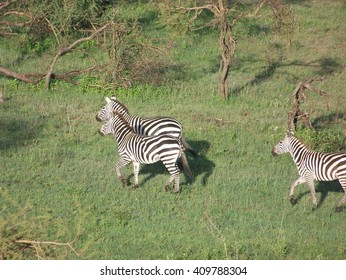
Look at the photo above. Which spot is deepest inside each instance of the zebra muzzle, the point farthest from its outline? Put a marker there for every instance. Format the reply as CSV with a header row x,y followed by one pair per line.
x,y
98,118
274,153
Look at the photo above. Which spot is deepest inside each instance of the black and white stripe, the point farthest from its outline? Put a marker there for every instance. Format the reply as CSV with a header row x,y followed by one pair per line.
x,y
137,148
145,126
313,166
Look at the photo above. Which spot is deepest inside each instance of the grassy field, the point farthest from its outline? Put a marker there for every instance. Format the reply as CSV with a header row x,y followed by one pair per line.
x,y
57,180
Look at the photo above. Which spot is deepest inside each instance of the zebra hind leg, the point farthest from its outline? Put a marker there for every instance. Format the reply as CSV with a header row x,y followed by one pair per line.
x,y
175,178
341,203
168,183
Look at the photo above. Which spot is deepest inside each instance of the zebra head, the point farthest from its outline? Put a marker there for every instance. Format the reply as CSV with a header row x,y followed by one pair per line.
x,y
107,127
284,146
106,111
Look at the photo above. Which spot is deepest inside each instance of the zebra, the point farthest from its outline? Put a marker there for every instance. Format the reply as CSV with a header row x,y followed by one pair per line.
x,y
144,126
137,148
313,166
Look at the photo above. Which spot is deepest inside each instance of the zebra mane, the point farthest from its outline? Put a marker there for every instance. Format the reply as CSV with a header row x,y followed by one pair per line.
x,y
299,142
123,107
122,119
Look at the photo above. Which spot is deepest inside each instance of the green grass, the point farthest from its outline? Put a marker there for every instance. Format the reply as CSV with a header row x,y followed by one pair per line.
x,y
57,179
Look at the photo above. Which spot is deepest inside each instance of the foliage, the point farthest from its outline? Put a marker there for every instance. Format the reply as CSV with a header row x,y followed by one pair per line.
x,y
325,140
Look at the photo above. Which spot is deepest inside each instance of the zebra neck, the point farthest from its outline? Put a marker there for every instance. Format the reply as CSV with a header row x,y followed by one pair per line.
x,y
298,149
121,130
127,117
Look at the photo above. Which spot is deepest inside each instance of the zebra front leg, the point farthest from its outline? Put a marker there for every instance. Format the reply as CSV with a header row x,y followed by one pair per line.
x,y
118,165
310,181
135,173
297,182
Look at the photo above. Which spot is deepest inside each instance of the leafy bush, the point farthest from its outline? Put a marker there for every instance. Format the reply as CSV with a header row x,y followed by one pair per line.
x,y
326,140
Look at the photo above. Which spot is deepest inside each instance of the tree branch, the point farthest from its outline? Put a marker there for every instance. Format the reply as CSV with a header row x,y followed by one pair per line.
x,y
67,49
297,97
14,75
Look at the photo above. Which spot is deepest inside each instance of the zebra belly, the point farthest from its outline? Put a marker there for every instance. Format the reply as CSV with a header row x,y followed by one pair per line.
x,y
163,153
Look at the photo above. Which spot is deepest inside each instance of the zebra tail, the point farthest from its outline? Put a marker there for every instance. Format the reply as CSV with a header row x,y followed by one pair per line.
x,y
186,166
188,147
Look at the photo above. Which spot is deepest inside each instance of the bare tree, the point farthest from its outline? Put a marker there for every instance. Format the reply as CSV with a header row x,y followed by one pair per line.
x,y
226,14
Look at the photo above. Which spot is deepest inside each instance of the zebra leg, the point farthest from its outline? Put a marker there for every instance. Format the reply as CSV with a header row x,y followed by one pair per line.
x,y
136,172
118,165
176,183
175,178
310,181
168,183
297,182
341,203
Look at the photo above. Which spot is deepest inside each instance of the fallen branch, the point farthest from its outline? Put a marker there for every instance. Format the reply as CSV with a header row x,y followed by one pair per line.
x,y
14,75
35,78
37,245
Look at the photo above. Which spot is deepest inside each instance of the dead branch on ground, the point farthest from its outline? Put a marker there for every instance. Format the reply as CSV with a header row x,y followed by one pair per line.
x,y
37,246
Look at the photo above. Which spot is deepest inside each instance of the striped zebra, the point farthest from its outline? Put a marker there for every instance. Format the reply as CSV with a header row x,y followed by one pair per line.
x,y
137,148
144,126
313,166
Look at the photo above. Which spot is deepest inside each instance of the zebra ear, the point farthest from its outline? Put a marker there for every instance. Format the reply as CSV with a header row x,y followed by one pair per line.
x,y
290,133
114,98
107,99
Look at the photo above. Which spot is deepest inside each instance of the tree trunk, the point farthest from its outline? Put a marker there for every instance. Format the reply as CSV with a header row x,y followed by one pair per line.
x,y
227,45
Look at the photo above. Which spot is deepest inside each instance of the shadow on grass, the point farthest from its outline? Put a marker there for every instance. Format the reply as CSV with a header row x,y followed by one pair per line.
x,y
324,66
200,165
18,132
324,188
329,119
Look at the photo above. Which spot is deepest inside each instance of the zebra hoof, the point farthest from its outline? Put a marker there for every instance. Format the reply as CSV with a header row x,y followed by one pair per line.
x,y
123,181
132,188
293,200
338,209
166,188
176,191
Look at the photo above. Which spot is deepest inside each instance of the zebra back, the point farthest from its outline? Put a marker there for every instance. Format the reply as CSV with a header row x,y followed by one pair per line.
x,y
324,166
